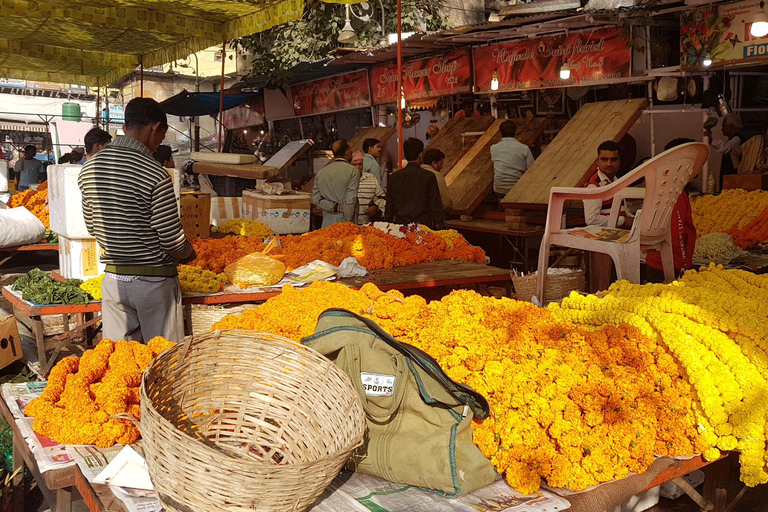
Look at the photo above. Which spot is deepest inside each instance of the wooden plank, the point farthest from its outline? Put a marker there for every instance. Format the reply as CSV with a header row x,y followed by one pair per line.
x,y
571,158
381,133
471,179
498,227
247,171
289,154
448,139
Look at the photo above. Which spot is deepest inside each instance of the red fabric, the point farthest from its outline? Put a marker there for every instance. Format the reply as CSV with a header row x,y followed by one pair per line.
x,y
461,114
683,237
608,202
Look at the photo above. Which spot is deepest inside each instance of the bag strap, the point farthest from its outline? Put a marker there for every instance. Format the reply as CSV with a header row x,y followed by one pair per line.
x,y
462,393
352,367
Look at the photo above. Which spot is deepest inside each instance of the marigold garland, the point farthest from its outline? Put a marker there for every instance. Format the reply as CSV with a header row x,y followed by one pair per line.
x,y
731,210
753,233
569,405
83,393
714,322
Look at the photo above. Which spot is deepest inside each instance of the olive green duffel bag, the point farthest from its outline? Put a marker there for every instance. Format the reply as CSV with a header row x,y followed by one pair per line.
x,y
419,420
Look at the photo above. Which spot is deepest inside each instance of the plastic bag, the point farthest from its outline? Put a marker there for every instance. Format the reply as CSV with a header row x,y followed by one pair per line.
x,y
19,226
255,269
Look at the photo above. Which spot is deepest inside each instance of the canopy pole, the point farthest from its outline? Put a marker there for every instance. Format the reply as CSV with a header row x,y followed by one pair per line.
x,y
141,77
221,91
98,104
400,93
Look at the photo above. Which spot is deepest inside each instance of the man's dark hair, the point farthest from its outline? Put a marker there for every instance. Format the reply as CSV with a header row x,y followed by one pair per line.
x,y
340,148
368,144
163,153
433,155
140,112
30,147
508,128
467,103
412,148
95,136
608,145
677,142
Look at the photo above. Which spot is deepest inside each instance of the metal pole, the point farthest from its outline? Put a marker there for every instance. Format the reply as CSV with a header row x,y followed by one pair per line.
x,y
221,90
399,83
197,90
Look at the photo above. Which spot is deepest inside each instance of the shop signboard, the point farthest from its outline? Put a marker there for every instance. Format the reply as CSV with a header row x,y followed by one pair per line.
x,y
342,92
433,77
721,33
602,54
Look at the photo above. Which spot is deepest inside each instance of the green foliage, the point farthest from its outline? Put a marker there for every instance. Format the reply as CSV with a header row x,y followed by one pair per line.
x,y
39,287
315,35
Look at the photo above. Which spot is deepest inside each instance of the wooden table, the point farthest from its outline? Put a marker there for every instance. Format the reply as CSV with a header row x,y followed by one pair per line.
x,y
525,244
446,273
43,246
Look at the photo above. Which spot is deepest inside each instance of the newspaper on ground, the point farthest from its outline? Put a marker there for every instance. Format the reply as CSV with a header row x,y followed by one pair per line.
x,y
137,500
355,492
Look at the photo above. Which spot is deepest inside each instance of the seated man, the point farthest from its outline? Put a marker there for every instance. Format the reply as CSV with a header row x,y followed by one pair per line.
x,y
413,194
596,212
511,159
433,162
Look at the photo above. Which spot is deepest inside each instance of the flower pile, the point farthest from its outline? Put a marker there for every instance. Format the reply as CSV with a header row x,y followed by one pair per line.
x,y
715,322
216,253
573,406
83,393
732,210
373,248
93,286
36,201
198,280
716,247
245,227
753,233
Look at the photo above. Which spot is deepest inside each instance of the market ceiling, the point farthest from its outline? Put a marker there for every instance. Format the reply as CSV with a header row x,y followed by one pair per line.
x,y
95,42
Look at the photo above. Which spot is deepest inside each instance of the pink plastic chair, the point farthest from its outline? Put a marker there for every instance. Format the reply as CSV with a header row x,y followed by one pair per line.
x,y
665,177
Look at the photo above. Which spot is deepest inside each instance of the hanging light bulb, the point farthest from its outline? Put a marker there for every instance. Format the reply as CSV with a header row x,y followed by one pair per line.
x,y
347,34
759,26
565,71
402,100
706,61
495,81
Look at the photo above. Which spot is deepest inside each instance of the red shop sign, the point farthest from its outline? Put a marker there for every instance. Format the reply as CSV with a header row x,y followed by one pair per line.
x,y
330,94
534,64
424,78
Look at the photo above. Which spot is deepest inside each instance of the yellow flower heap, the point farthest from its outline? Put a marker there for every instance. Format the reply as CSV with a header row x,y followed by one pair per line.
x,y
82,394
714,322
733,208
193,279
93,287
245,227
572,406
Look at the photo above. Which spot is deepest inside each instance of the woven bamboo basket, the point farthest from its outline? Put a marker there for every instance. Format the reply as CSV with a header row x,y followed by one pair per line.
x,y
200,318
556,286
246,421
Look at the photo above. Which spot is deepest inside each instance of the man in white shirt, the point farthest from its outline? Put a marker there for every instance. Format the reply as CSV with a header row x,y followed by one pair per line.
x,y
511,159
372,150
596,211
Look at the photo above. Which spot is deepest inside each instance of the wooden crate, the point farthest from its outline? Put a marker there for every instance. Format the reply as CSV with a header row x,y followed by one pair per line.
x,y
448,139
196,214
471,179
570,159
746,182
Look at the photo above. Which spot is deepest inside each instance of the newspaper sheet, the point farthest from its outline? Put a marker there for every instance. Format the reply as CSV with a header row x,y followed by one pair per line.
x,y
355,492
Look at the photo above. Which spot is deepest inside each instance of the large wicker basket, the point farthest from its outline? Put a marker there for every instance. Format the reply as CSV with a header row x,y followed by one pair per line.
x,y
556,286
241,420
199,318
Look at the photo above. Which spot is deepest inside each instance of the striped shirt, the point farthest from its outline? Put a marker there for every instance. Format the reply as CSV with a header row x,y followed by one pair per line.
x,y
369,193
130,208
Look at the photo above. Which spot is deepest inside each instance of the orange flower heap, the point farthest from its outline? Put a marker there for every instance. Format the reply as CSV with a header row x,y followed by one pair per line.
x,y
82,394
216,253
575,407
34,201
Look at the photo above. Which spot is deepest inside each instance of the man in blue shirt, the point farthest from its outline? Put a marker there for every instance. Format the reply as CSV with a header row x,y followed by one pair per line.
x,y
372,150
28,170
511,159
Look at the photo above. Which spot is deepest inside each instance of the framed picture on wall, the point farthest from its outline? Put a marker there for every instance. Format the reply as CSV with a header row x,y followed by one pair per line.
x,y
550,102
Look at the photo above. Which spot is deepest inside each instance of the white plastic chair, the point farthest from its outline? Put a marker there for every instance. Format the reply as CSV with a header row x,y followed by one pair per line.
x,y
665,177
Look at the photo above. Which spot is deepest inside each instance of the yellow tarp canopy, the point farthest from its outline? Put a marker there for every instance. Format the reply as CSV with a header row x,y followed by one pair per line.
x,y
95,42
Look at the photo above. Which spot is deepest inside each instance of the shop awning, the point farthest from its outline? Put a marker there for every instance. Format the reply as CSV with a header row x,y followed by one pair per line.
x,y
91,42
202,103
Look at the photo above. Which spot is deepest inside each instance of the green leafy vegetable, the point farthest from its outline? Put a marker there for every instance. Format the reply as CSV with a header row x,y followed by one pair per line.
x,y
39,287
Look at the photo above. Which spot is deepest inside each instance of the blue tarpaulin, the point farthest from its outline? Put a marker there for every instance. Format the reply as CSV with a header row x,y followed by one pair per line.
x,y
202,103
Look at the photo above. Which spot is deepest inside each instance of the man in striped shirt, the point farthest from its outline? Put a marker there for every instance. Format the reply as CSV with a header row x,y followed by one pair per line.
x,y
130,208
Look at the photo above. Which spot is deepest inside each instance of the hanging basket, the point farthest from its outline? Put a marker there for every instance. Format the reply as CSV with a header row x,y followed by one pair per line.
x,y
240,420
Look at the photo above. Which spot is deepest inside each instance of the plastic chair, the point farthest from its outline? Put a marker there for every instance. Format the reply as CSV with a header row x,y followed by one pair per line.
x,y
665,177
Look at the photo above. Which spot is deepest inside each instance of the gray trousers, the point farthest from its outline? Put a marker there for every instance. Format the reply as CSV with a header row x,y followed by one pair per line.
x,y
142,309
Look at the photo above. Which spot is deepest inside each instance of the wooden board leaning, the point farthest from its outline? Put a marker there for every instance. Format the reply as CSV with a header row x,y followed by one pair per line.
x,y
448,139
570,159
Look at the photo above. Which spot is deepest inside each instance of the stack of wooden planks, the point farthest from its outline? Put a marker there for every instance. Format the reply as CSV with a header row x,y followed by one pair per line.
x,y
571,158
471,179
448,139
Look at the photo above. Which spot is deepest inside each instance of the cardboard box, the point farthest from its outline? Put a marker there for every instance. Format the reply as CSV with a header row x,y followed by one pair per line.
x,y
10,342
196,214
80,259
746,182
65,201
224,209
285,214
